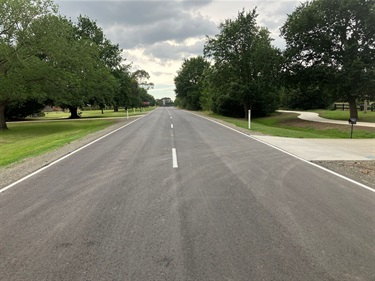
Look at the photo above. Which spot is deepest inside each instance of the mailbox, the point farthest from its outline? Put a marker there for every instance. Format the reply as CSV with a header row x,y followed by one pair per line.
x,y
352,121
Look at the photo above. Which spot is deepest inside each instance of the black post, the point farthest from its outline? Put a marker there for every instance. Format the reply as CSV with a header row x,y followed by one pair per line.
x,y
351,132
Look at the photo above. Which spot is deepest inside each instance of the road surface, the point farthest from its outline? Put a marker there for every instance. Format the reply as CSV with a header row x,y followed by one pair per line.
x,y
173,196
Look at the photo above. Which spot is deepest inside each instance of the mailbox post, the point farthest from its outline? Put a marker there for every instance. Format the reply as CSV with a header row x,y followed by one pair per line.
x,y
352,121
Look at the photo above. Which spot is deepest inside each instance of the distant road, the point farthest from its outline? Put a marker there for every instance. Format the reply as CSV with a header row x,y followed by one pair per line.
x,y
173,196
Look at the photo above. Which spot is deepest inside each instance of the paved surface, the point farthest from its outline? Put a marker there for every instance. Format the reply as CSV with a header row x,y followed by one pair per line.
x,y
234,209
312,116
324,149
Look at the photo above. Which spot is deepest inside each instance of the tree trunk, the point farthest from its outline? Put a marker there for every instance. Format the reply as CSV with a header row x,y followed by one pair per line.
x,y
353,108
74,113
115,108
3,124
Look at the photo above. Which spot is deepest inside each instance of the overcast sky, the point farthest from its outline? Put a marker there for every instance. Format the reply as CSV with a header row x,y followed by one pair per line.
x,y
158,35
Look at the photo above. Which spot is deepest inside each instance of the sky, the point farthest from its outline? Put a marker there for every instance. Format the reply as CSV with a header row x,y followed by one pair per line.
x,y
157,36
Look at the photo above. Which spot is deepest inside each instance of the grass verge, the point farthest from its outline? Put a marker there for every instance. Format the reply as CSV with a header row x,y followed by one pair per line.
x,y
288,125
29,139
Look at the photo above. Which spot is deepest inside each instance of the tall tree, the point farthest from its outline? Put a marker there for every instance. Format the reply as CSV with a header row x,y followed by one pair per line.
x,y
20,66
188,82
109,54
80,75
337,38
139,81
243,51
108,61
142,78
121,97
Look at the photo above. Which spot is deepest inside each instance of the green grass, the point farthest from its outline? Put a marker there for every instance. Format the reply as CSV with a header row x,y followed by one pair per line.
x,y
28,139
95,113
288,125
344,115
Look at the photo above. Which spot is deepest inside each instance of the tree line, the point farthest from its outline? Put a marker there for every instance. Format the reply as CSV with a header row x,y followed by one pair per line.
x,y
46,59
329,56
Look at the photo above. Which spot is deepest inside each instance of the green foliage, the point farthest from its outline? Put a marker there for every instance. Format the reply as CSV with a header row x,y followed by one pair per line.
x,y
22,109
20,65
146,97
189,81
44,56
246,66
138,86
334,39
121,97
304,98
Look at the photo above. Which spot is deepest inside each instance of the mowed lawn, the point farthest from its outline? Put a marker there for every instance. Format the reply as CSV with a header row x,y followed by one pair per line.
x,y
108,113
369,116
27,139
289,125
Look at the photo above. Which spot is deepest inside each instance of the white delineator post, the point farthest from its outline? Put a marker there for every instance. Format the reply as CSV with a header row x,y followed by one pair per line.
x,y
127,113
249,114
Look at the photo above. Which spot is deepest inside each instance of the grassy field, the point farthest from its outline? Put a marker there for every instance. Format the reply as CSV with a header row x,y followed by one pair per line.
x,y
288,125
95,113
344,115
27,139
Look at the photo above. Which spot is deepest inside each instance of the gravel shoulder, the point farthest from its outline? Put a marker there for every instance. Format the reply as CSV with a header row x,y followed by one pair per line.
x,y
361,171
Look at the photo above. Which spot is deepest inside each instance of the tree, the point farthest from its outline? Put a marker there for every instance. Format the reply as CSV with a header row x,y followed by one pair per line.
x,y
21,69
146,97
337,38
188,82
79,74
109,54
139,82
121,97
141,77
247,63
100,84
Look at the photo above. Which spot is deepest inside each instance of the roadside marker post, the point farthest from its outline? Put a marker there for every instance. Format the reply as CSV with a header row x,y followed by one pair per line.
x,y
249,114
127,114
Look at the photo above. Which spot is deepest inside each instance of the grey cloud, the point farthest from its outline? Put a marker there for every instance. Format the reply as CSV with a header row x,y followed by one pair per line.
x,y
166,51
129,12
140,23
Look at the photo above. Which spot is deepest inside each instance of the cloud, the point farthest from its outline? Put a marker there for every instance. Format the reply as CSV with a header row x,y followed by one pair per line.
x,y
133,24
170,50
158,35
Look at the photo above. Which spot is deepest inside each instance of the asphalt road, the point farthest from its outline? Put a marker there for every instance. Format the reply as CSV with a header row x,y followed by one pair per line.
x,y
225,208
